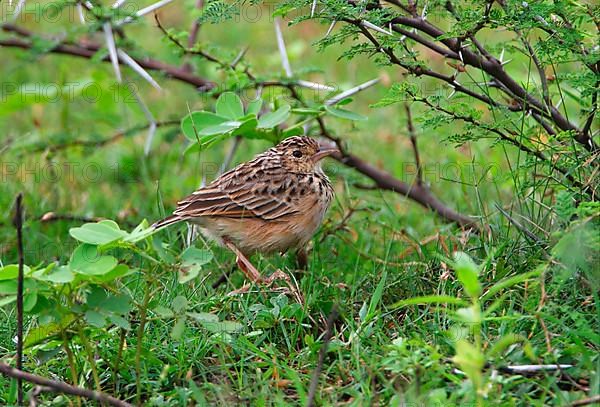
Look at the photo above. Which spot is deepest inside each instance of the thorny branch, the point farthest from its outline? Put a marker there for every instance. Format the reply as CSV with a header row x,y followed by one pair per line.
x,y
418,28
61,387
382,179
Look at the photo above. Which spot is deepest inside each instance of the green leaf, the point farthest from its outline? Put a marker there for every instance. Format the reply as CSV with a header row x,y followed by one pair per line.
x,y
119,321
229,105
254,106
178,329
29,301
292,131
510,281
467,273
221,128
61,276
193,123
164,312
87,260
97,233
119,271
7,300
344,114
469,315
141,232
119,304
470,360
9,272
187,273
272,119
193,255
95,318
247,128
43,332
429,299
211,323
179,304
376,296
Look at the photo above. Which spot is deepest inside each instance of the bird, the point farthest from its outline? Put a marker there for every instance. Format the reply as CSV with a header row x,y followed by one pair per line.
x,y
272,203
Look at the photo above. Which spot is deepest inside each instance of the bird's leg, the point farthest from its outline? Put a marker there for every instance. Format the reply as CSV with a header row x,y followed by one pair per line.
x,y
301,258
250,271
244,264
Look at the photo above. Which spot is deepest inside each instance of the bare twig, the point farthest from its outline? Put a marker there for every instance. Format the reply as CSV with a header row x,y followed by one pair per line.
x,y
52,217
99,143
413,142
18,224
193,37
61,387
314,382
186,50
586,401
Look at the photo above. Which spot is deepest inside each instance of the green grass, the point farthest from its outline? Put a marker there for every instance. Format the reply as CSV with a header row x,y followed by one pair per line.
x,y
389,250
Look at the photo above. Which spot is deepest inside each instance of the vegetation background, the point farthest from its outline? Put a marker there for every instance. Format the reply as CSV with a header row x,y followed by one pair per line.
x,y
425,306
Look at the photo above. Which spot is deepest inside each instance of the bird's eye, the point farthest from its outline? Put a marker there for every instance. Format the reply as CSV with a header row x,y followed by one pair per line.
x,y
297,153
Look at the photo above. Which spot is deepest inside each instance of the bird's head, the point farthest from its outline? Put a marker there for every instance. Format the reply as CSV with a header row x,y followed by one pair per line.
x,y
303,154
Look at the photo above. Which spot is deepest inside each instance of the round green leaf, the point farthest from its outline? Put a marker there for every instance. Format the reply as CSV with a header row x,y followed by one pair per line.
x,y
97,233
87,260
193,123
344,114
272,119
11,271
229,105
254,106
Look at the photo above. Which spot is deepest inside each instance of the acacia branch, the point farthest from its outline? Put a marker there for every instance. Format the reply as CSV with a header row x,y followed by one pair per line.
x,y
483,62
61,387
88,50
383,180
418,193
413,141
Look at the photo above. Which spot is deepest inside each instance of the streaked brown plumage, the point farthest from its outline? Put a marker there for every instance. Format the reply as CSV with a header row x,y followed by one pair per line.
x,y
269,204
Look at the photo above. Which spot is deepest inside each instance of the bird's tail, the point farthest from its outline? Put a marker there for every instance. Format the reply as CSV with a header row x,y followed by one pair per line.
x,y
169,220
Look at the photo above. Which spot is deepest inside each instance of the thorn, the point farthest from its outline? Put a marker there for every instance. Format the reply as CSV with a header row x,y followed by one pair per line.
x,y
312,9
330,28
149,117
314,85
372,26
282,51
145,11
239,57
18,9
136,67
112,49
424,12
340,96
80,12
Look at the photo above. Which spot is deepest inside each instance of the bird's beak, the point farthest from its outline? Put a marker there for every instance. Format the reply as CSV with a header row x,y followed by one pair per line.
x,y
324,152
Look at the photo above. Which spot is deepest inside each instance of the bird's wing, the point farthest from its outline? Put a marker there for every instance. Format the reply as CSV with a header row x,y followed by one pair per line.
x,y
243,193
